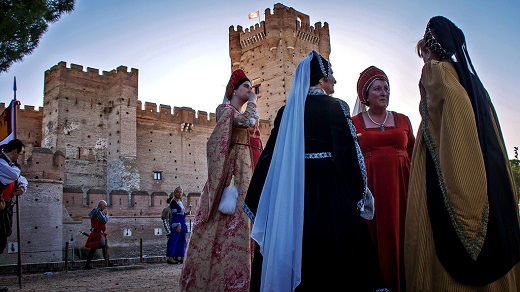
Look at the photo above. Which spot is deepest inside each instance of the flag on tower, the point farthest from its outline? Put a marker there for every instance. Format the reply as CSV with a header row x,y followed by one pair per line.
x,y
253,14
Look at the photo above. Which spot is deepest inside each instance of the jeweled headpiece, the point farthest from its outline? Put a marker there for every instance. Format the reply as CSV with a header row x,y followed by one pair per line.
x,y
320,68
433,44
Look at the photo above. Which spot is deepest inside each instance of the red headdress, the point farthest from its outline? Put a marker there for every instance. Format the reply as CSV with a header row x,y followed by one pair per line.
x,y
365,80
237,77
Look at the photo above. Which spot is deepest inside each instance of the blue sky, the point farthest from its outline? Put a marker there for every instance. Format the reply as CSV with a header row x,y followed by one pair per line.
x,y
181,48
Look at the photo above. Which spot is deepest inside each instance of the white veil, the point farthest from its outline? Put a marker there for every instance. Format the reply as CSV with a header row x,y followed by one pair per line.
x,y
280,237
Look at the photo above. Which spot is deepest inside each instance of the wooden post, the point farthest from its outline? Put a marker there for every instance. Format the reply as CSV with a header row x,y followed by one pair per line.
x,y
141,250
107,258
66,256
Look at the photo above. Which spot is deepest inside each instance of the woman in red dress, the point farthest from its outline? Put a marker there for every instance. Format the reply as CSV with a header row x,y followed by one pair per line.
x,y
386,140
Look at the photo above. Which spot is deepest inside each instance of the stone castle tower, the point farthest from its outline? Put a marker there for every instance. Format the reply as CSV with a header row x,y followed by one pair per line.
x,y
92,119
94,140
270,51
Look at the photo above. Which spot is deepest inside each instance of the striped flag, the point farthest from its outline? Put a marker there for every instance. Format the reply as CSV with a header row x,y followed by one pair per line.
x,y
7,123
253,14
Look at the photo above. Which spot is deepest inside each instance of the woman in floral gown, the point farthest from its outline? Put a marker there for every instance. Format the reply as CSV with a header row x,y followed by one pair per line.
x,y
220,250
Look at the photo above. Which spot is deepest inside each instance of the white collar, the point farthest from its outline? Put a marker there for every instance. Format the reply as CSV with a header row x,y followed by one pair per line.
x,y
7,156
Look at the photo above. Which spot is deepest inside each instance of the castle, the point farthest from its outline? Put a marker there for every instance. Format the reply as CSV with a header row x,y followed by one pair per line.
x,y
94,140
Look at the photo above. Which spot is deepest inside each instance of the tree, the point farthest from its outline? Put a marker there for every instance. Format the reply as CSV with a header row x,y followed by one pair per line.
x,y
515,168
22,23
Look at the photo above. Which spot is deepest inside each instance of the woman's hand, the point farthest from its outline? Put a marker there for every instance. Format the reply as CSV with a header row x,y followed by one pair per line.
x,y
251,96
178,228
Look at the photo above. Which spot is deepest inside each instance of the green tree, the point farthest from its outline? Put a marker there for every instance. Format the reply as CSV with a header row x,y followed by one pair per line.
x,y
515,167
22,23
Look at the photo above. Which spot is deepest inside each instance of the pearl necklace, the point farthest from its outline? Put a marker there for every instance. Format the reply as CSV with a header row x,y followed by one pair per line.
x,y
382,125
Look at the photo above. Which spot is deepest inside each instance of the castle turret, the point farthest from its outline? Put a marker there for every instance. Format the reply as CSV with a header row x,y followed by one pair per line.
x,y
41,207
122,169
270,52
273,25
91,118
324,41
235,50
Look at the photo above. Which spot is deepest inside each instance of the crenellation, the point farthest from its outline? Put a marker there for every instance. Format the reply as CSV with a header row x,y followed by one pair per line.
x,y
202,116
76,67
61,64
92,71
317,26
258,28
183,115
73,203
165,112
27,111
240,29
28,108
150,107
119,201
252,38
140,203
94,196
122,69
61,71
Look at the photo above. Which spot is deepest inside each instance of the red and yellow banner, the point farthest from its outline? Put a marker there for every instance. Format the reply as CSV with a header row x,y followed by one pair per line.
x,y
255,14
7,123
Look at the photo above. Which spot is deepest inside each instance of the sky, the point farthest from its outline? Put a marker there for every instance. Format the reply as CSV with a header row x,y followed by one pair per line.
x,y
181,48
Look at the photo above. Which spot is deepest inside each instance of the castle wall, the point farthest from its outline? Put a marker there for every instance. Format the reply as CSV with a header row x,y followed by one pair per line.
x,y
174,145
85,174
94,140
42,228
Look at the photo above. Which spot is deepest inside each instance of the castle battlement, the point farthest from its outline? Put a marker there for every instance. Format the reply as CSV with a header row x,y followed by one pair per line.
x,y
253,35
27,109
284,26
77,70
180,115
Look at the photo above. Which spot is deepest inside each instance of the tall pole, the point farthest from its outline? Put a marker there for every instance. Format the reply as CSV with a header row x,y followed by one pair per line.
x,y
18,237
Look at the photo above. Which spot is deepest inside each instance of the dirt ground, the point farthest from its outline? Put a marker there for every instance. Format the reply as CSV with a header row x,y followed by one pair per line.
x,y
140,277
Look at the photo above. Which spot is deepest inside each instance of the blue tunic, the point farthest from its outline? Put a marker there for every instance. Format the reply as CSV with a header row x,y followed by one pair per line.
x,y
177,240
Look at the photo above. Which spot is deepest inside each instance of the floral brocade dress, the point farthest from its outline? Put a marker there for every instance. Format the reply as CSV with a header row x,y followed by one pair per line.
x,y
220,249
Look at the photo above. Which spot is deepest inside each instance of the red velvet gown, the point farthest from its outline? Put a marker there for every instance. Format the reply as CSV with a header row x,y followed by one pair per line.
x,y
387,159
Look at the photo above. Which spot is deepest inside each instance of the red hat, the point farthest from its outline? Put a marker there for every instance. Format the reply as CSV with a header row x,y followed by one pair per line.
x,y
237,77
365,80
